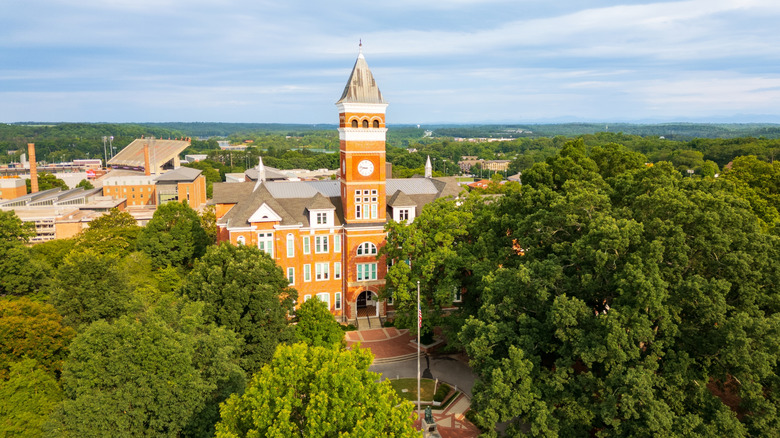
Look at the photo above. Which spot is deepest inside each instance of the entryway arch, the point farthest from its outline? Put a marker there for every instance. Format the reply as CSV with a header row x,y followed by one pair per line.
x,y
367,304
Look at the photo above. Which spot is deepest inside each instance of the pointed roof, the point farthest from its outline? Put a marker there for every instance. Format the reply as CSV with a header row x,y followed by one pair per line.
x,y
361,86
320,202
428,168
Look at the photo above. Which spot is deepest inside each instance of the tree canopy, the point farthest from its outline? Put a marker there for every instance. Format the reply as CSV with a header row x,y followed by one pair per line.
x,y
316,392
316,326
244,291
161,373
26,400
626,300
174,236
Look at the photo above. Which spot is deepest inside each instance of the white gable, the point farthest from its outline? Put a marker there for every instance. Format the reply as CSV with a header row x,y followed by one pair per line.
x,y
265,214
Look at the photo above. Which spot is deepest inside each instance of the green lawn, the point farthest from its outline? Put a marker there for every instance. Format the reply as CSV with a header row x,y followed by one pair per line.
x,y
426,387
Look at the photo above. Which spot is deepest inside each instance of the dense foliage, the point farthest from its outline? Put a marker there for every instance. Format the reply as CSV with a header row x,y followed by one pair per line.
x,y
244,291
316,391
174,236
614,298
316,327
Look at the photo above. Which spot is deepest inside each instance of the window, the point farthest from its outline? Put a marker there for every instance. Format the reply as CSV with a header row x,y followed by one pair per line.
x,y
365,123
403,214
291,275
322,271
366,204
265,241
376,123
354,123
306,272
366,248
337,270
325,298
366,271
306,298
389,296
337,243
290,245
306,245
337,300
322,218
456,295
320,244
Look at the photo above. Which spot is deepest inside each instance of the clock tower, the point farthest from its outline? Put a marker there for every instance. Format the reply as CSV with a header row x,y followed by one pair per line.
x,y
362,134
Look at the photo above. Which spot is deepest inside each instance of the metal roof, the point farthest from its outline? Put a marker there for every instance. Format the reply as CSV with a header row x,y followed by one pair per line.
x,y
180,174
302,189
361,86
412,186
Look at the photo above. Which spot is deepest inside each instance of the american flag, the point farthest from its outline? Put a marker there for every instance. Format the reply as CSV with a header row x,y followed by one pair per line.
x,y
419,317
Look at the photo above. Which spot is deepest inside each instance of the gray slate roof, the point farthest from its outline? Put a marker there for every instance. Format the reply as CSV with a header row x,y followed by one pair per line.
x,y
187,174
292,200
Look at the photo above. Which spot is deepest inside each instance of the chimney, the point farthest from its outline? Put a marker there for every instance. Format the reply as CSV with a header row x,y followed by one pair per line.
x,y
33,168
147,170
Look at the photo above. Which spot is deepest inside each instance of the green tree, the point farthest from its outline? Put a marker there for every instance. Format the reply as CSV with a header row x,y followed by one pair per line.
x,y
161,373
13,230
89,286
115,233
316,326
174,236
85,184
315,391
618,307
244,291
428,250
47,181
33,330
26,400
208,220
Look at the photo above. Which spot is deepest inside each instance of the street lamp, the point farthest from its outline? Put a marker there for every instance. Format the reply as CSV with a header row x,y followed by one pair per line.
x,y
690,172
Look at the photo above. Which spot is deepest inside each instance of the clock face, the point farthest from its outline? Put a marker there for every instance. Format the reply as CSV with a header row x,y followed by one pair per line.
x,y
365,168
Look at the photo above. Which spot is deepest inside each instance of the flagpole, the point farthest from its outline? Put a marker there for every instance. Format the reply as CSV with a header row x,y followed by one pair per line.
x,y
419,326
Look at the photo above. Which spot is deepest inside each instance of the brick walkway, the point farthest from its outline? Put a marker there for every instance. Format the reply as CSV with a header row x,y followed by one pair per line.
x,y
384,343
388,343
452,423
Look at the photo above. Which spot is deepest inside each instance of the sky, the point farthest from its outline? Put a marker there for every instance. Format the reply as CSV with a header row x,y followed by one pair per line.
x,y
435,61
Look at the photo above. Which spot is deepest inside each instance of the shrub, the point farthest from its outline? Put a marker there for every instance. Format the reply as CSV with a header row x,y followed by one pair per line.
x,y
441,392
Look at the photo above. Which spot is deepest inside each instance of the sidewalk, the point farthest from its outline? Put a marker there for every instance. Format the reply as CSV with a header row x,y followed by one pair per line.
x,y
385,343
395,356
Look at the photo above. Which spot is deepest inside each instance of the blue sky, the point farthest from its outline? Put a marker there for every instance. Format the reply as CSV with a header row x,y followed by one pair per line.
x,y
436,61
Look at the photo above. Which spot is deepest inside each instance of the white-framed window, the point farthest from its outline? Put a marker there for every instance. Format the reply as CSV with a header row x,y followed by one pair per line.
x,y
240,240
456,295
366,204
337,300
325,298
306,298
337,243
366,248
403,214
291,275
366,271
306,245
290,245
322,271
322,218
320,244
306,272
337,270
265,241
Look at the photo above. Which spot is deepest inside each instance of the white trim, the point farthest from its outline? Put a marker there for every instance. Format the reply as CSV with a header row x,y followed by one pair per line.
x,y
288,227
357,107
265,214
363,134
238,229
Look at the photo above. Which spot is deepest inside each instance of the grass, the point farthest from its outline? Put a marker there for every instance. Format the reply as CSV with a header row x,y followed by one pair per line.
x,y
426,388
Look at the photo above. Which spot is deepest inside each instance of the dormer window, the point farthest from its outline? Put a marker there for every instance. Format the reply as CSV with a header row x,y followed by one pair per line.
x,y
322,218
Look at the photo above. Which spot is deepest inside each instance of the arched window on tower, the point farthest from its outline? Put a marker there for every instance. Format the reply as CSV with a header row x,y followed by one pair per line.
x,y
376,123
354,124
365,123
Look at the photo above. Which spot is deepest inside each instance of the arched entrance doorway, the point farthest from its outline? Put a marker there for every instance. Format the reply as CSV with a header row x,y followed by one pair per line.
x,y
367,304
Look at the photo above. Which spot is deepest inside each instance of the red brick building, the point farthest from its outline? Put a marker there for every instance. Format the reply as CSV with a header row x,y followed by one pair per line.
x,y
326,234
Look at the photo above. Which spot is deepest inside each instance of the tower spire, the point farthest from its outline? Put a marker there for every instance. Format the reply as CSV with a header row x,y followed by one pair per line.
x,y
260,173
428,168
